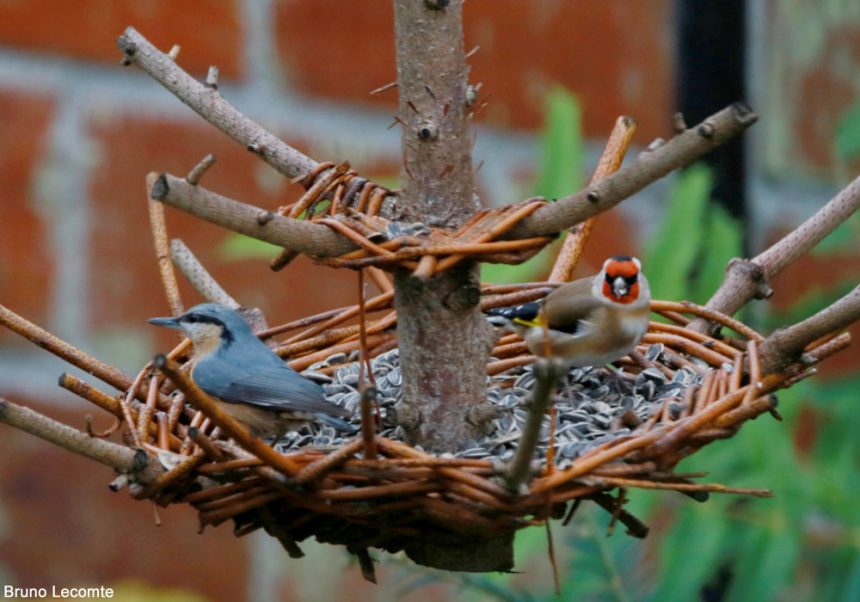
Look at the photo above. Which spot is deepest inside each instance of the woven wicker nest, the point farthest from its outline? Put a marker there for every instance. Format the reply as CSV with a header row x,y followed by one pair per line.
x,y
607,430
402,496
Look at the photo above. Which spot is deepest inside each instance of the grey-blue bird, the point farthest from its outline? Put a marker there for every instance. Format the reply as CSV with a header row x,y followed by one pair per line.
x,y
252,384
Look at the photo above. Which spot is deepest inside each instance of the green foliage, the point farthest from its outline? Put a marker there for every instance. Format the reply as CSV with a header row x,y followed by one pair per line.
x,y
687,256
600,567
560,174
561,146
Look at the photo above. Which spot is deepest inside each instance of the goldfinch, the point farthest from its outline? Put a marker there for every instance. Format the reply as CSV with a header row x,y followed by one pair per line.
x,y
587,322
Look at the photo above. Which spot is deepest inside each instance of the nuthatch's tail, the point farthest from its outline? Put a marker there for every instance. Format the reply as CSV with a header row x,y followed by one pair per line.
x,y
336,423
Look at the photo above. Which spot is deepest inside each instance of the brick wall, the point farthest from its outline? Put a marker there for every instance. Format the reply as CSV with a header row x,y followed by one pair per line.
x,y
78,133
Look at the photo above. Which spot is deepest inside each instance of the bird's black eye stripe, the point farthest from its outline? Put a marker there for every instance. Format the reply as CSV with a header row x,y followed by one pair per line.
x,y
630,280
196,318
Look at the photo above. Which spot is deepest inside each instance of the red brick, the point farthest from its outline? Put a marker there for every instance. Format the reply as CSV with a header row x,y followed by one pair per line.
x,y
66,528
207,30
25,267
125,280
612,54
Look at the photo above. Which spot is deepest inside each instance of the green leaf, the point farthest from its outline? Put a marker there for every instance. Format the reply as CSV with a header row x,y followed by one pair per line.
x,y
236,247
688,563
672,252
600,566
848,133
765,564
561,146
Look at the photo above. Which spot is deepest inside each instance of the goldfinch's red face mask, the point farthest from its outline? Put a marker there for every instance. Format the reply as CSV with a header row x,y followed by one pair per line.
x,y
621,280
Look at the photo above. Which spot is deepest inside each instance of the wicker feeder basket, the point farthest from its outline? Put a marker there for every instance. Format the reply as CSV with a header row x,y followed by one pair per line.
x,y
373,489
677,392
386,494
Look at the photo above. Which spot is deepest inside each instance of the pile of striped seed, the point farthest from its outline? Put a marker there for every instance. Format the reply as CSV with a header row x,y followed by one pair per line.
x,y
593,406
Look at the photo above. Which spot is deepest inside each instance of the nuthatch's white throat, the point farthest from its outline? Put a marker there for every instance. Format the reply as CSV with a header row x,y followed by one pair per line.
x,y
587,322
252,384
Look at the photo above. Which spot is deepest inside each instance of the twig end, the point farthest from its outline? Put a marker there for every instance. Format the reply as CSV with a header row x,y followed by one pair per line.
x,y
159,189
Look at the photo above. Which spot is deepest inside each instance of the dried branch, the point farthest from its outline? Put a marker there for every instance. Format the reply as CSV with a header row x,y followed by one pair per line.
x,y
209,104
748,278
198,276
297,235
119,457
651,165
783,346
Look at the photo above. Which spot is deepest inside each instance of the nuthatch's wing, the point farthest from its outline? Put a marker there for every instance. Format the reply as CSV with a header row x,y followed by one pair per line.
x,y
273,386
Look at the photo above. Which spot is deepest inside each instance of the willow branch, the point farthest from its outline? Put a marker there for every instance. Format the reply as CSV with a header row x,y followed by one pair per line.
x,y
121,458
610,160
158,227
297,235
209,104
650,166
786,344
748,278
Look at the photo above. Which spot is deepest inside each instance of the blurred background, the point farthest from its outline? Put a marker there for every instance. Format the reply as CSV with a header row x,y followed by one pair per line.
x,y
78,133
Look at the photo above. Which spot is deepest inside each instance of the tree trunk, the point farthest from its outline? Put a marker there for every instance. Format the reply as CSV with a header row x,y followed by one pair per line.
x,y
444,341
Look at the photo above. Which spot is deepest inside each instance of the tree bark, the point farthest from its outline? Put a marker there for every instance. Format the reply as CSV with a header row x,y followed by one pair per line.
x,y
444,340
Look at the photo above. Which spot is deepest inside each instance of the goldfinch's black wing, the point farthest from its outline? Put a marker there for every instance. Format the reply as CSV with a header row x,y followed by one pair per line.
x,y
569,308
526,313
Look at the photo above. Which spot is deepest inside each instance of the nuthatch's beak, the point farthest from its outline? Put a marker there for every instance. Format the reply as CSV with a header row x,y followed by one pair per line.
x,y
619,287
168,322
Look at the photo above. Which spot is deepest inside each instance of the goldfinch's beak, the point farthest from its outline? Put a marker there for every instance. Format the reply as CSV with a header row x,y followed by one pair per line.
x,y
619,287
168,322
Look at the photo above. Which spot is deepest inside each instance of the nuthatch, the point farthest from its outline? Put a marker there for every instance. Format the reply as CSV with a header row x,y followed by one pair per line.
x,y
587,322
252,384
